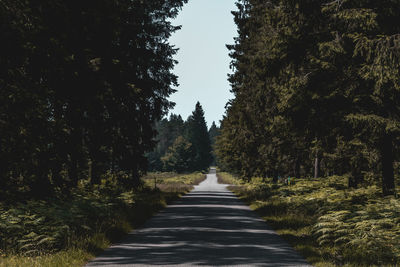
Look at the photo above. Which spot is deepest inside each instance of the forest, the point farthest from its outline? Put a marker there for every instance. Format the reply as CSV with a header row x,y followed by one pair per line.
x,y
82,85
183,146
316,87
89,149
311,138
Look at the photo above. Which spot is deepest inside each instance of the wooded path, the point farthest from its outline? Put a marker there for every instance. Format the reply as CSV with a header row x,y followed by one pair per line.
x,y
209,226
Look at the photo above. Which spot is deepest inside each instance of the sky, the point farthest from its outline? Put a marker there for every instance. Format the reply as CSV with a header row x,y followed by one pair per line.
x,y
207,26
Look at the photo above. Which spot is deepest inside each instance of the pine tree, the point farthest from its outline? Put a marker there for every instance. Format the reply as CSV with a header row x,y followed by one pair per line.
x,y
197,135
369,35
213,132
315,84
91,79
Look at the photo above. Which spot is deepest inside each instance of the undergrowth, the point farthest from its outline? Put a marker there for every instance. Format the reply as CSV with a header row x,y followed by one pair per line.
x,y
326,222
68,232
173,182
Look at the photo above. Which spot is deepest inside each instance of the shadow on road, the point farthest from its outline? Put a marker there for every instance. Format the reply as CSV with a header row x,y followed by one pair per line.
x,y
203,228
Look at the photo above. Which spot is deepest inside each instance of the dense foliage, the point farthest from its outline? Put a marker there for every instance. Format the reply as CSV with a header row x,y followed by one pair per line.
x,y
183,146
81,85
213,133
316,87
86,223
327,222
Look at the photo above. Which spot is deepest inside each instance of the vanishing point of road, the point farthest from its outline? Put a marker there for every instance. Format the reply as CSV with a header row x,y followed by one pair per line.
x,y
209,226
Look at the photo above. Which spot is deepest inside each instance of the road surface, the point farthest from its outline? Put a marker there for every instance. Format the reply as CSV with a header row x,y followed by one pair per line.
x,y
209,227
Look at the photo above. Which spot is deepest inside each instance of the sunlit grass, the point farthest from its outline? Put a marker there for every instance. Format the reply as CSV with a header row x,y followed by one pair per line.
x,y
227,178
173,182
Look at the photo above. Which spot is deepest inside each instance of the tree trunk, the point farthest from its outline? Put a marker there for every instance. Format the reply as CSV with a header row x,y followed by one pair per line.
x,y
388,187
41,186
317,165
135,178
73,173
275,176
95,172
296,168
356,178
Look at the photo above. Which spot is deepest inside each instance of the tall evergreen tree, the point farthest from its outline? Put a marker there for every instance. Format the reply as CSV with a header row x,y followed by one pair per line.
x,y
213,132
370,37
315,83
197,135
90,78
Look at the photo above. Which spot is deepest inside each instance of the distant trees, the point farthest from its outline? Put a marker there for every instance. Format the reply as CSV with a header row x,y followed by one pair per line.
x,y
316,91
213,132
82,84
180,156
197,133
182,146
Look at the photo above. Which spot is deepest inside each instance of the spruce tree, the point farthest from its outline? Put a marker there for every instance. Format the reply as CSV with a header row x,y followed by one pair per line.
x,y
91,79
197,135
369,35
213,132
315,83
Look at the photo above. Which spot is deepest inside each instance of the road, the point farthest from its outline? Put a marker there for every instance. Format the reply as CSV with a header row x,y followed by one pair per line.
x,y
209,227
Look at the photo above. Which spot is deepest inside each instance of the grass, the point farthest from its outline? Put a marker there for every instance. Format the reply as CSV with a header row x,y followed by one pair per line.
x,y
71,232
326,222
227,178
173,182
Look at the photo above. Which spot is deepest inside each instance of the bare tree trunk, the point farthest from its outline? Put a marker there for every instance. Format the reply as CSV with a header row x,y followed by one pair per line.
x,y
275,176
296,167
317,165
135,178
95,172
356,177
388,186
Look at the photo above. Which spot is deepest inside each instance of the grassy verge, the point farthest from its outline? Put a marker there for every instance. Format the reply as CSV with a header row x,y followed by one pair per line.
x,y
326,222
172,182
72,231
227,178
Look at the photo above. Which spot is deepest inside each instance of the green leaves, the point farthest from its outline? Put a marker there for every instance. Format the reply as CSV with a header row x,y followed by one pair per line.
x,y
370,228
40,227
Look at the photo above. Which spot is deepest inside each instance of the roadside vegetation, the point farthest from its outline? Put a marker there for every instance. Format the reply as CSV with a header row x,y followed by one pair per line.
x,y
316,94
325,221
173,182
69,232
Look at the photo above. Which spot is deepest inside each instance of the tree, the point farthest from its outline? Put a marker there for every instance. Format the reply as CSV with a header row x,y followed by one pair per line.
x,y
314,82
91,79
213,132
180,156
197,135
167,132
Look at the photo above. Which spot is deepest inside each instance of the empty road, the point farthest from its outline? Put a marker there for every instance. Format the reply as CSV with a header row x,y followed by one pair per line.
x,y
209,227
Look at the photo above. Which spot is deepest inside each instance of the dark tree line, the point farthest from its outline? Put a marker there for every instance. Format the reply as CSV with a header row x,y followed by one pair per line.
x,y
81,85
316,87
183,146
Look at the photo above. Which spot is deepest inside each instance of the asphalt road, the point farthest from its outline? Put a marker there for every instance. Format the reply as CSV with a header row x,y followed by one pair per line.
x,y
209,227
